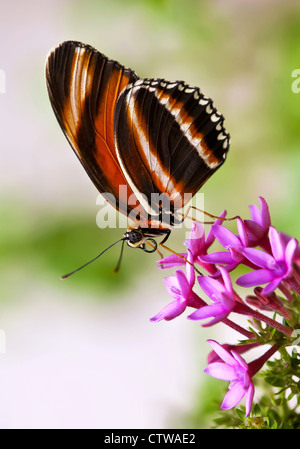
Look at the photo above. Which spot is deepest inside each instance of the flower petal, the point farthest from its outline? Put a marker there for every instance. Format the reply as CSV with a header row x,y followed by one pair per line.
x,y
254,231
290,251
208,311
256,277
212,287
196,242
210,236
276,243
226,237
184,285
223,257
190,270
236,254
170,311
271,286
233,396
171,261
172,286
226,279
258,257
262,218
255,214
240,349
221,371
286,238
228,301
249,398
240,360
222,353
215,320
242,232
265,214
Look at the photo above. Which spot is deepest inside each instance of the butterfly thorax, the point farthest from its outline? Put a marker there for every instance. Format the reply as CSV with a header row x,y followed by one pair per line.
x,y
139,237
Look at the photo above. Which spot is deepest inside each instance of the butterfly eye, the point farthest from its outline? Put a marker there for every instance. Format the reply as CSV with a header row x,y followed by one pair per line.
x,y
133,237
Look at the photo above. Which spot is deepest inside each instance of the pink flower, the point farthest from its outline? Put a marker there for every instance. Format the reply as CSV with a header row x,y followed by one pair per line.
x,y
232,243
221,293
240,349
180,288
257,228
197,244
232,368
274,268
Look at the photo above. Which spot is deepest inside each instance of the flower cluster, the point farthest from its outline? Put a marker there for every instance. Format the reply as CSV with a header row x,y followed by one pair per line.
x,y
272,261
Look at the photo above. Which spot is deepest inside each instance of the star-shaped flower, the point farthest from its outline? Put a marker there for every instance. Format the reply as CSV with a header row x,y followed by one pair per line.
x,y
197,244
273,268
232,368
257,228
180,288
233,244
221,293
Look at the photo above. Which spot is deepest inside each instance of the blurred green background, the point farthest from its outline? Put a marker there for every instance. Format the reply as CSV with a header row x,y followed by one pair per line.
x,y
82,353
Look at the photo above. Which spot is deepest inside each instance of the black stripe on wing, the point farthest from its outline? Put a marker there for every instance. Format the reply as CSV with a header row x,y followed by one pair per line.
x,y
171,134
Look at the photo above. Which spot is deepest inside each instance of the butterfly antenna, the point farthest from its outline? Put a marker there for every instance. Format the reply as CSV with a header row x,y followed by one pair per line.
x,y
93,260
120,258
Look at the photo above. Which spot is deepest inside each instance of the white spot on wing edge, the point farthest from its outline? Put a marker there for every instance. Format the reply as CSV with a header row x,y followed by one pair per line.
x,y
184,126
196,95
189,90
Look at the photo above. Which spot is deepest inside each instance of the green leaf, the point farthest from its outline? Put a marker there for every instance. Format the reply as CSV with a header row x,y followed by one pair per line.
x,y
257,410
240,414
275,381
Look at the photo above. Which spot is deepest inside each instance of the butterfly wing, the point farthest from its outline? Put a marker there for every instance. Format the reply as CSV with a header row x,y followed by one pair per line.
x,y
172,134
83,86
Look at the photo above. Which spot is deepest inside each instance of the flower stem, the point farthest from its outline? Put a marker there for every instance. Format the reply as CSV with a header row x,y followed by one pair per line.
x,y
238,328
195,301
257,364
245,310
296,273
285,290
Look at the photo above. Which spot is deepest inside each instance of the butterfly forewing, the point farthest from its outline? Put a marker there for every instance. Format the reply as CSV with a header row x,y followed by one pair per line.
x,y
83,87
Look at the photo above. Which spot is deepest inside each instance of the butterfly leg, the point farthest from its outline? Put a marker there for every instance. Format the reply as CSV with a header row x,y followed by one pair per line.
x,y
185,215
167,232
154,248
181,256
153,244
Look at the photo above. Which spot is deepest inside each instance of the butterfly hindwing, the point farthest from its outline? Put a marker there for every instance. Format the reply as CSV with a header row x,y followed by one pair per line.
x,y
172,134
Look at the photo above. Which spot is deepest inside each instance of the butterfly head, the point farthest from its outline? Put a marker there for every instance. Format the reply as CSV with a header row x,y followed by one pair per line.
x,y
136,238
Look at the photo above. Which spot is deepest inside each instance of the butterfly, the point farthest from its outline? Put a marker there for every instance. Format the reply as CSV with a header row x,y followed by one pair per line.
x,y
160,140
